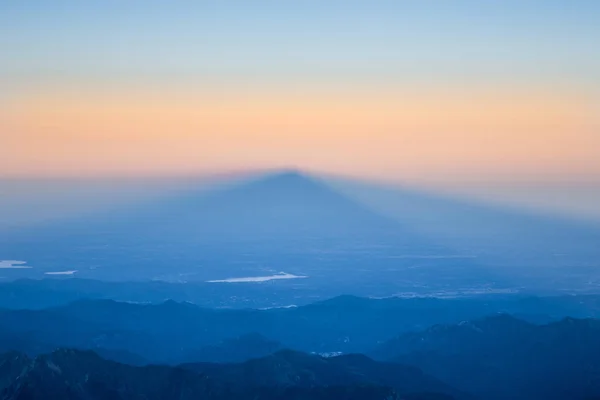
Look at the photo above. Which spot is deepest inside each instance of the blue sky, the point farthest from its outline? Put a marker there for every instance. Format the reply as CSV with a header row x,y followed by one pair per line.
x,y
551,42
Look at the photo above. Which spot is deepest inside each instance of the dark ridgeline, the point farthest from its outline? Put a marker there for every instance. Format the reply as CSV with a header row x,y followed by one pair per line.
x,y
501,357
79,375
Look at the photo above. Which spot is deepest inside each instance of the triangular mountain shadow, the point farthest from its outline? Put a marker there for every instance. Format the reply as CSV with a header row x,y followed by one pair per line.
x,y
290,204
287,205
282,220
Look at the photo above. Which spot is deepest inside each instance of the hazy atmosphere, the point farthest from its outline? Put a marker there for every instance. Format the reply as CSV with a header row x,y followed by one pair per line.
x,y
310,200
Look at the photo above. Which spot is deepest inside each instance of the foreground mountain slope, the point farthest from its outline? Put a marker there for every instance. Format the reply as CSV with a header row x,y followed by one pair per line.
x,y
76,375
237,349
502,357
292,368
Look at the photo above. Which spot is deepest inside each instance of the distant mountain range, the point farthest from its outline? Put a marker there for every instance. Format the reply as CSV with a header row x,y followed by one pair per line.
x,y
478,351
44,293
173,332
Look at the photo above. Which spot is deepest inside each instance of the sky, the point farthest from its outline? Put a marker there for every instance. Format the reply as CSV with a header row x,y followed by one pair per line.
x,y
419,91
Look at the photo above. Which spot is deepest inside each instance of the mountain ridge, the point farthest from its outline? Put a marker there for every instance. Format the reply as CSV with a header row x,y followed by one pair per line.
x,y
502,357
74,375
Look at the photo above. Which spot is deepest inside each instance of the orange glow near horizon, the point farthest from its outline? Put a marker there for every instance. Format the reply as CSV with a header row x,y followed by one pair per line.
x,y
387,134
